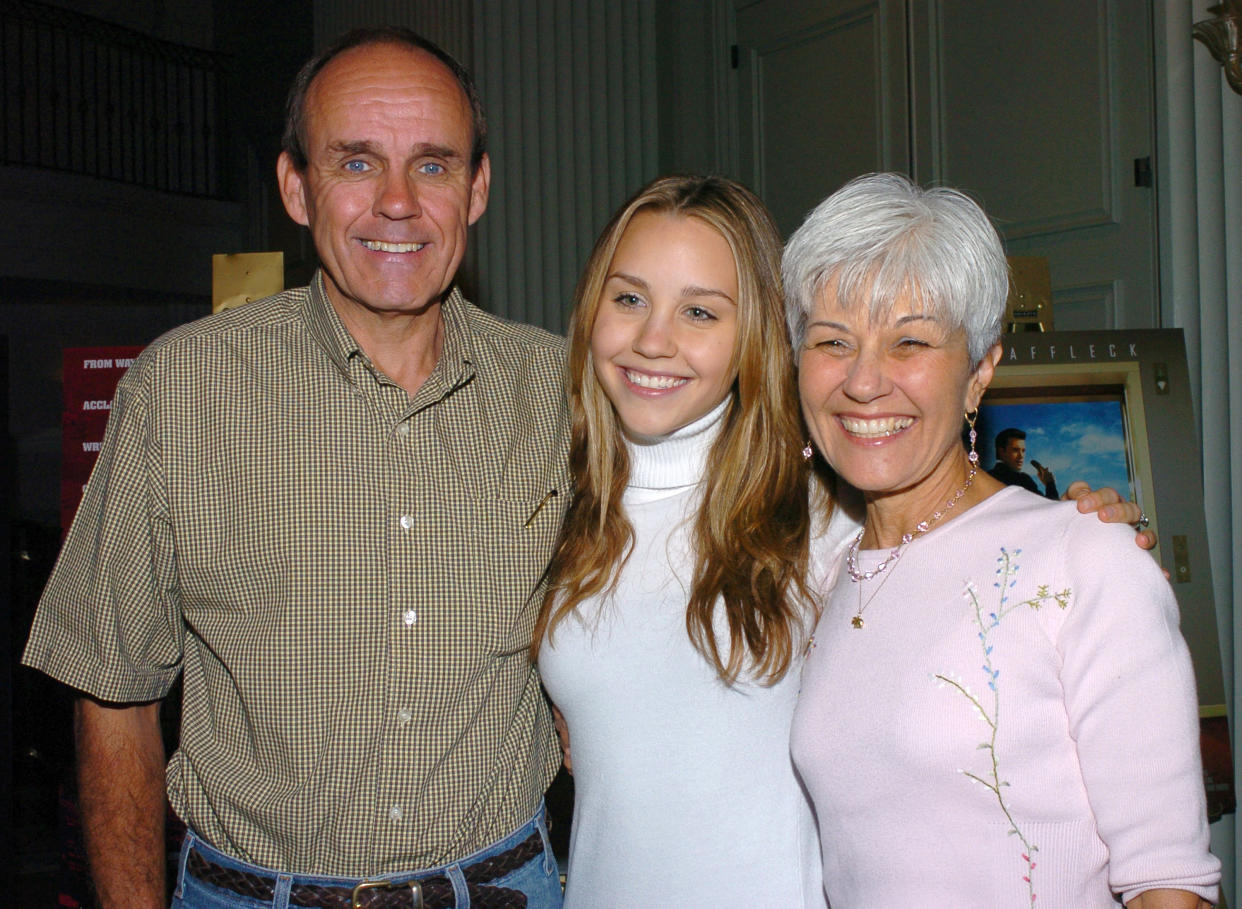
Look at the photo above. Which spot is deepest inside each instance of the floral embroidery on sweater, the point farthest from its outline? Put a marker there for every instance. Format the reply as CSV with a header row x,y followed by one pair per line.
x,y
990,779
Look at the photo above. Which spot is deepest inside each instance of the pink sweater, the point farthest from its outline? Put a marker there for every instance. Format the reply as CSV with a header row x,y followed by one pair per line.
x,y
1014,725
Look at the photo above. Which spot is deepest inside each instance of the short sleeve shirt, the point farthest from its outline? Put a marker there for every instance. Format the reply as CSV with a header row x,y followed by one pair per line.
x,y
347,578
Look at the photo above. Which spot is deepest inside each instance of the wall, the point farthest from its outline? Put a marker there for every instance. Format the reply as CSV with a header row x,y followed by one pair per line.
x,y
68,227
180,23
86,260
1199,131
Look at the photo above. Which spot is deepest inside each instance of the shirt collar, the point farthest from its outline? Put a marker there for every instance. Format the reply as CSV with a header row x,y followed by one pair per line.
x,y
456,361
679,459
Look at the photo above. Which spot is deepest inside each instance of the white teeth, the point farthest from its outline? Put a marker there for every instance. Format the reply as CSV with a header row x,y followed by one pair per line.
x,y
643,380
381,246
877,428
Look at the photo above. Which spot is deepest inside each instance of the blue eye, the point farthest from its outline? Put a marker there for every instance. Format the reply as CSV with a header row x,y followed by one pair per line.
x,y
357,167
432,169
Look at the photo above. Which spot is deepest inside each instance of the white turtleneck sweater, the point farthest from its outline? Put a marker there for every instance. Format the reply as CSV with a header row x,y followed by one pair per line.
x,y
685,794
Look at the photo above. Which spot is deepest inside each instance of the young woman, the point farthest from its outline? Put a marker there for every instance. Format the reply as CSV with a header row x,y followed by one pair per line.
x,y
679,585
683,585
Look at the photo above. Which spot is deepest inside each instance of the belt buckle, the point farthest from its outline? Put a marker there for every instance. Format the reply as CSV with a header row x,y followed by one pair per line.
x,y
416,890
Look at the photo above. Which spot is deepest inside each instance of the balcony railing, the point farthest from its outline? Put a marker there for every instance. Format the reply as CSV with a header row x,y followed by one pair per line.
x,y
82,95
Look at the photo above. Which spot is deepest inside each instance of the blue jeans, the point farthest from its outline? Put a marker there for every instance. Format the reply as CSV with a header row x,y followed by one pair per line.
x,y
538,878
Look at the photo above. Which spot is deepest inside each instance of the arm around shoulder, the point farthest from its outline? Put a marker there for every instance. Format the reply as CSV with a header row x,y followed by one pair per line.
x,y
121,792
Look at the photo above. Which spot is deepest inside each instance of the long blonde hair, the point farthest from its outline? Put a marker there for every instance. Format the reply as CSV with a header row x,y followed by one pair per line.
x,y
751,534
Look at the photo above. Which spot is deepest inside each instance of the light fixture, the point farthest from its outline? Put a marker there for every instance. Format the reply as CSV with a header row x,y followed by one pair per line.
x,y
1221,35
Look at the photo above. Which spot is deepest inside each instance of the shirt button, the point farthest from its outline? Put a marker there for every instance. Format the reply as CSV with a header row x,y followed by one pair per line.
x,y
407,521
410,617
404,716
394,813
403,429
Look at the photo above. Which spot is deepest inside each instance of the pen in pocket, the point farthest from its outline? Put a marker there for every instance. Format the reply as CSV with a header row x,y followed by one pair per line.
x,y
538,508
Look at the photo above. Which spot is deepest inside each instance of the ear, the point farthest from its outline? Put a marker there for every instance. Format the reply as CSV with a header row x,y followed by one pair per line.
x,y
981,378
292,189
478,190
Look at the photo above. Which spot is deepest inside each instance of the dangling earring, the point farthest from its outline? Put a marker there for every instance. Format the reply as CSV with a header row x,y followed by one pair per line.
x,y
808,452
971,416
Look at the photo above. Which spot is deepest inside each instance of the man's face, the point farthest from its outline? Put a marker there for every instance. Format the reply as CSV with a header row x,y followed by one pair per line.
x,y
1013,454
388,190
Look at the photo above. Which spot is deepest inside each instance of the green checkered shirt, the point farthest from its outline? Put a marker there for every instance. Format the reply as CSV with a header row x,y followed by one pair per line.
x,y
346,577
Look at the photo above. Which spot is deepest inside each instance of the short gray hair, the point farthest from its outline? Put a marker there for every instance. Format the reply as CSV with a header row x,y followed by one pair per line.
x,y
880,237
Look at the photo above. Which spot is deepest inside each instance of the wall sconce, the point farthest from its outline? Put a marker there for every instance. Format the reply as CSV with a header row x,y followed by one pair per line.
x,y
1221,35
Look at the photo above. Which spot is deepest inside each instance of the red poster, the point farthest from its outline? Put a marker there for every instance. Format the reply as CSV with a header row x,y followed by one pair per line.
x,y
90,377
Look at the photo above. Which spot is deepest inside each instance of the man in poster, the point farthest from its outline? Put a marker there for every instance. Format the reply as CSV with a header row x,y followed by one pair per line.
x,y
1010,457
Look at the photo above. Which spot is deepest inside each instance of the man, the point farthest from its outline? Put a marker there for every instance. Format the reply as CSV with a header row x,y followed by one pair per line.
x,y
1011,455
330,512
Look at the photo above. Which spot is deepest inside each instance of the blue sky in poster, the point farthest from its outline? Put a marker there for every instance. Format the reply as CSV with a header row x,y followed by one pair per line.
x,y
1076,440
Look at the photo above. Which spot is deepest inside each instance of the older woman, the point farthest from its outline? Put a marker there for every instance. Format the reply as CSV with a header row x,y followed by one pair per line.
x,y
986,718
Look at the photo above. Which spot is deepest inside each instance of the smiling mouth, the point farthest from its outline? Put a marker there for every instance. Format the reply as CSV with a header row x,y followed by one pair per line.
x,y
644,380
877,428
383,246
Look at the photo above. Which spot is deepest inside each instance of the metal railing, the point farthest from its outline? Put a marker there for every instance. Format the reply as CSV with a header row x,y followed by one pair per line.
x,y
82,95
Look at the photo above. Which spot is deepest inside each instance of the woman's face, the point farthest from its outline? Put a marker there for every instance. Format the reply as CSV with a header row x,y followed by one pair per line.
x,y
884,400
666,325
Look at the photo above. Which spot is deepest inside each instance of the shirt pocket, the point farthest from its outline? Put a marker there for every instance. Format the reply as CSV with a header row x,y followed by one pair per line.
x,y
493,555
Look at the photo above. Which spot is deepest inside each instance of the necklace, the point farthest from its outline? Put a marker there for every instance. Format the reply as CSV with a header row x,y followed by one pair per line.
x,y
851,560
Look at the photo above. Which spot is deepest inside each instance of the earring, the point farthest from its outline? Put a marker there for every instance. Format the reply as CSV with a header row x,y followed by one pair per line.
x,y
971,416
807,452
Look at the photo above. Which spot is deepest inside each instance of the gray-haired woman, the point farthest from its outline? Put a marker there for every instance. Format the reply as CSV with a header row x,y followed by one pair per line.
x,y
987,718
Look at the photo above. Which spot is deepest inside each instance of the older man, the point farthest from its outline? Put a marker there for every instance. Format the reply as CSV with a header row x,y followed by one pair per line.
x,y
330,512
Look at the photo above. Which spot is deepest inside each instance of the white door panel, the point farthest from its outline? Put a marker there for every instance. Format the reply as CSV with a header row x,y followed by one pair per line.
x,y
1037,109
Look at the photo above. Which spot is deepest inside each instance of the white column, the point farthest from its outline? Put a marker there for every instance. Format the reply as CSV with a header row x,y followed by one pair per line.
x,y
570,89
446,22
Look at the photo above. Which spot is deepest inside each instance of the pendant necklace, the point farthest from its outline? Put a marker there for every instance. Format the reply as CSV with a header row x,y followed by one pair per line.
x,y
890,560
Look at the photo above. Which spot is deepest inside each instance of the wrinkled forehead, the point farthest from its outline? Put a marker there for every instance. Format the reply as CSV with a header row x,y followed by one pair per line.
x,y
405,80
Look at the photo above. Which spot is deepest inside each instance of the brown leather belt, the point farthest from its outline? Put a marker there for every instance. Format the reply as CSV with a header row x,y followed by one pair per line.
x,y
434,892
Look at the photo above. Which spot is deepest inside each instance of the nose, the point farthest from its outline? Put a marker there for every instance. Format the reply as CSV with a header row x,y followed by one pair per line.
x,y
866,380
397,198
655,337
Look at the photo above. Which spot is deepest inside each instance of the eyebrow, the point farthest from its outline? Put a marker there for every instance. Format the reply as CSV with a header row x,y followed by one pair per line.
x,y
904,320
918,317
824,323
690,290
422,150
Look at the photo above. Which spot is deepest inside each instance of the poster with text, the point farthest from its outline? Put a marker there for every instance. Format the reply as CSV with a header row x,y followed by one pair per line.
x,y
90,375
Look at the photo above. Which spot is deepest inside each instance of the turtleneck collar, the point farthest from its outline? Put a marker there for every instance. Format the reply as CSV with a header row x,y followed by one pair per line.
x,y
676,461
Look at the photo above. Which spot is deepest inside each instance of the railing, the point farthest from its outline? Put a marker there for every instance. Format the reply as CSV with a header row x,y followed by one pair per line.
x,y
82,95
